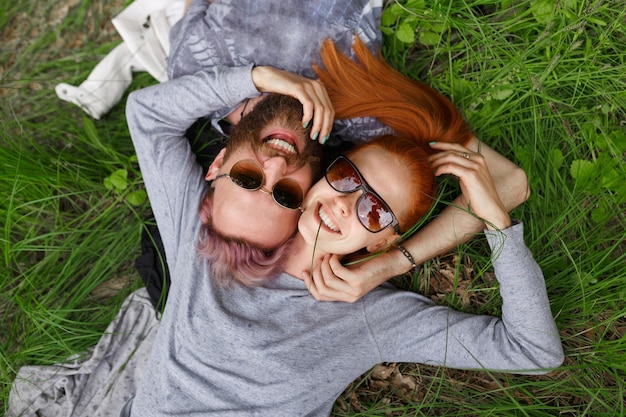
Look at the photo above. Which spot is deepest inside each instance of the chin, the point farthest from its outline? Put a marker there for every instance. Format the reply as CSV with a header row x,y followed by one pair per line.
x,y
308,228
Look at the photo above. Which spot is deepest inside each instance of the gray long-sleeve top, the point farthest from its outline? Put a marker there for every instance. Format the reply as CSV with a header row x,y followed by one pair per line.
x,y
274,350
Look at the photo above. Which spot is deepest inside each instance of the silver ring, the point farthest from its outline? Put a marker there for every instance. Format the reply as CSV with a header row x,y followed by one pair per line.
x,y
465,155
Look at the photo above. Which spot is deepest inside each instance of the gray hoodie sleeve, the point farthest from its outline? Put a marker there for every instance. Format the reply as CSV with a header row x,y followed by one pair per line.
x,y
158,117
411,328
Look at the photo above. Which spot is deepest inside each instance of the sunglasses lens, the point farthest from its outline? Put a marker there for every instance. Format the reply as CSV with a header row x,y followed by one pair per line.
x,y
374,213
288,193
342,176
247,174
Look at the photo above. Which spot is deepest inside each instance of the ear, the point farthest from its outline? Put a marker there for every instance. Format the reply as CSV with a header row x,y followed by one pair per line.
x,y
382,243
215,166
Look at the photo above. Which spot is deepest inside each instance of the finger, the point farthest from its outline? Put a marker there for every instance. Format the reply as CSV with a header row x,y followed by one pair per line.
x,y
323,114
308,107
450,163
457,152
318,290
447,146
468,171
330,278
316,127
327,127
462,158
310,93
309,281
320,281
334,262
328,115
330,287
310,284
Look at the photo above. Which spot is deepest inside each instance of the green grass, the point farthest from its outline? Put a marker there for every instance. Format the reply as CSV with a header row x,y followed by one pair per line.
x,y
543,81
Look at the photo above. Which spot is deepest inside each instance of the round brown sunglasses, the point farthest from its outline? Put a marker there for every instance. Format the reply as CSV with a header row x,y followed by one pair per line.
x,y
248,174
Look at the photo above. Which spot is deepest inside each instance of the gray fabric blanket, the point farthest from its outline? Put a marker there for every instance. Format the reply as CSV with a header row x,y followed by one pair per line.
x,y
99,383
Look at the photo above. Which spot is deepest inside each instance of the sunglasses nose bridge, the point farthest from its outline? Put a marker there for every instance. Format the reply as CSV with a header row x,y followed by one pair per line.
x,y
265,191
346,202
274,169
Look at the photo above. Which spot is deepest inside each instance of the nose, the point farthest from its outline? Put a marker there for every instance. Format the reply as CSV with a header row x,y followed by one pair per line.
x,y
346,203
274,169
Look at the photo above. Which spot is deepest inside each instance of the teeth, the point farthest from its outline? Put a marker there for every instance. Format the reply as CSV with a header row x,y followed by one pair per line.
x,y
327,221
279,143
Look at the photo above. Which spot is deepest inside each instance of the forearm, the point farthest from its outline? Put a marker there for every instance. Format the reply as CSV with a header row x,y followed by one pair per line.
x,y
524,340
526,314
450,228
168,109
158,117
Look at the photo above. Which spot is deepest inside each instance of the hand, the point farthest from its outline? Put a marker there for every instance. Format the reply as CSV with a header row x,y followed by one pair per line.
x,y
332,281
476,182
311,93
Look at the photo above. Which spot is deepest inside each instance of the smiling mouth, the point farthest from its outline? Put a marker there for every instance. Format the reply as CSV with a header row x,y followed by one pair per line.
x,y
281,143
326,221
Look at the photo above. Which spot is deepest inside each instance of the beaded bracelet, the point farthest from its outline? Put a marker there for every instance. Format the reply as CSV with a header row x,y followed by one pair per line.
x,y
408,256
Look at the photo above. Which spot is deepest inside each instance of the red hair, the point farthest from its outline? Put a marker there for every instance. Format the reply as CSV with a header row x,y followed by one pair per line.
x,y
417,113
371,87
236,260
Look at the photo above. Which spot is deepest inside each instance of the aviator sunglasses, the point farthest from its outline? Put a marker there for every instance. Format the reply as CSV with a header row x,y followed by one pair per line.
x,y
249,175
372,211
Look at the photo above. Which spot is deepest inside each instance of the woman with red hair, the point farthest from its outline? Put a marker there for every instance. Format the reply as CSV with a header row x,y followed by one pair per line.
x,y
368,86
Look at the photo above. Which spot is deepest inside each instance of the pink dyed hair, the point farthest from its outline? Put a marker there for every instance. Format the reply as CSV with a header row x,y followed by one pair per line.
x,y
236,260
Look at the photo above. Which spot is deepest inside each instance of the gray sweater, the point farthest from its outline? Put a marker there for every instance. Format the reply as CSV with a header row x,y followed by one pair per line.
x,y
274,350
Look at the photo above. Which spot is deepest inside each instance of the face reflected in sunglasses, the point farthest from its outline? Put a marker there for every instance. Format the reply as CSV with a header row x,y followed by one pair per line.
x,y
372,211
248,174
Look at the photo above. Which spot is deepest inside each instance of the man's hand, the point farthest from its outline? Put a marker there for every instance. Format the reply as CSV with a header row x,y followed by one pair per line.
x,y
311,93
331,281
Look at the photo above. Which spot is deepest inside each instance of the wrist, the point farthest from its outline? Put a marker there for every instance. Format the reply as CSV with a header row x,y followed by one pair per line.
x,y
385,266
258,73
503,221
408,258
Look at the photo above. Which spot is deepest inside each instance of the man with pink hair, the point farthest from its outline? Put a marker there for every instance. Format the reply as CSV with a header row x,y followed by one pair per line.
x,y
240,47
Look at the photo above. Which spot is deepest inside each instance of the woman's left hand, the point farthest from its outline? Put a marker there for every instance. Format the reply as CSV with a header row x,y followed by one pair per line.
x,y
316,104
331,281
476,182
